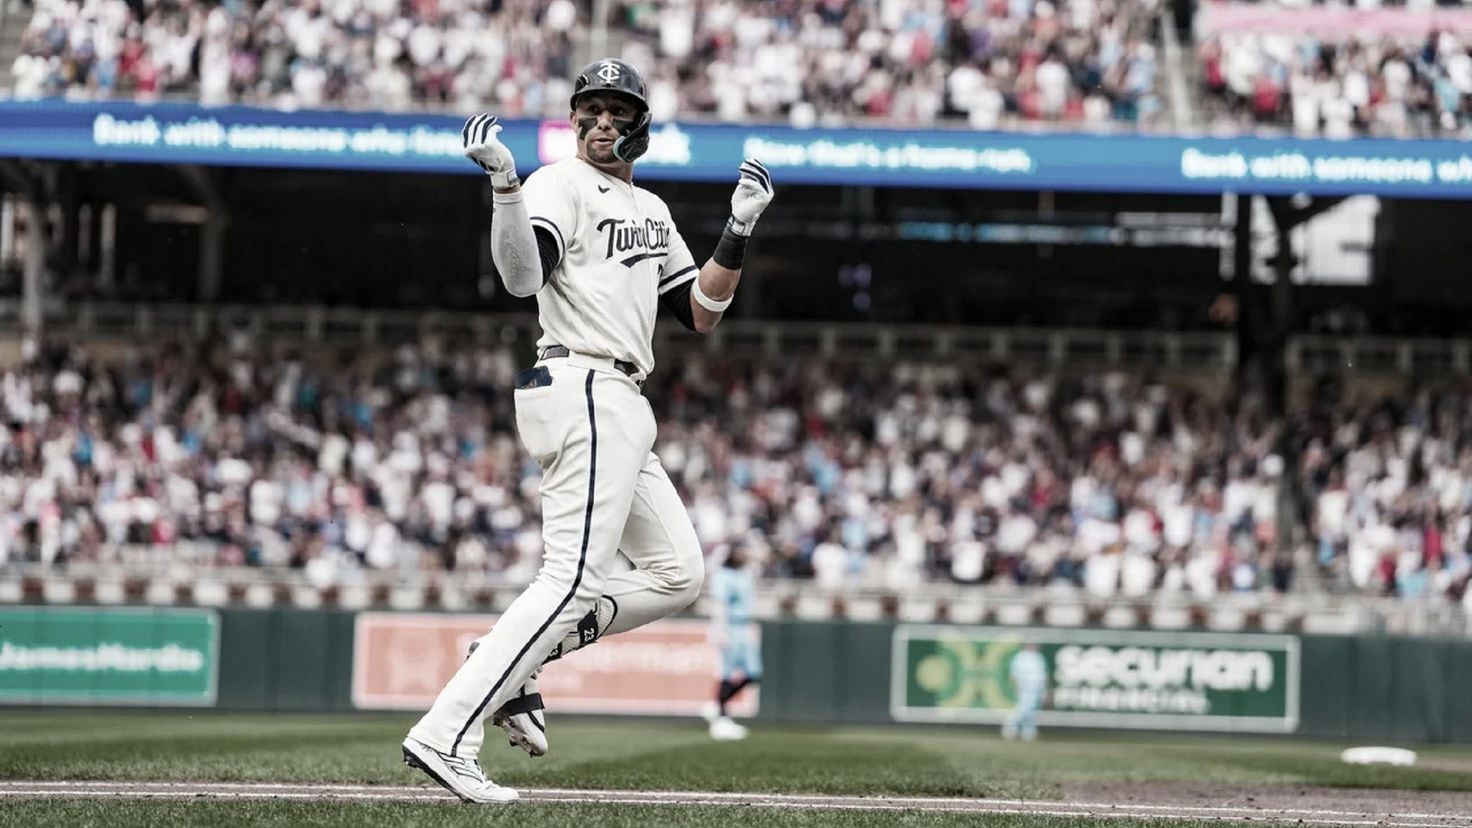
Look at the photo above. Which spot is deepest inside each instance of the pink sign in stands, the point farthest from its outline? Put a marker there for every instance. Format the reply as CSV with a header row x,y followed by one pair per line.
x,y
1331,21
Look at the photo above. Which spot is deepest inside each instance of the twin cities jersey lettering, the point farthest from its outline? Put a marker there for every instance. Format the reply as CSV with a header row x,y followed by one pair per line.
x,y
620,252
650,240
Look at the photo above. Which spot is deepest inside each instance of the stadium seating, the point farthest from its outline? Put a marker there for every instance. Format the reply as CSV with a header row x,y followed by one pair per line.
x,y
1338,71
878,474
1316,70
808,61
511,56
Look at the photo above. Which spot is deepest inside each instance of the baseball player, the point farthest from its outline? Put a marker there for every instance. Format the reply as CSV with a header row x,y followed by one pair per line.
x,y
600,255
1029,674
732,590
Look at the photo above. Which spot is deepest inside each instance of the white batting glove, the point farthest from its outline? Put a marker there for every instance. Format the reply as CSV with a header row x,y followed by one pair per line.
x,y
484,148
753,194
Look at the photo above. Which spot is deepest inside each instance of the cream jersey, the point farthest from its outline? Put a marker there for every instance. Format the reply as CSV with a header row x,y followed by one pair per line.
x,y
620,253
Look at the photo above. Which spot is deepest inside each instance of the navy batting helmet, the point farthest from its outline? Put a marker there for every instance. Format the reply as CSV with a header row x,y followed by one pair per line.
x,y
617,76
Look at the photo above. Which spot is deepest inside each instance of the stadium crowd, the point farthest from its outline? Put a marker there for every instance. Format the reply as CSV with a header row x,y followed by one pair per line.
x,y
876,473
984,62
1385,81
1388,488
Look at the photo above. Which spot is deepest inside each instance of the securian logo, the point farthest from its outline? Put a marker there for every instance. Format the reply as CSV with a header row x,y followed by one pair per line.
x,y
608,72
960,673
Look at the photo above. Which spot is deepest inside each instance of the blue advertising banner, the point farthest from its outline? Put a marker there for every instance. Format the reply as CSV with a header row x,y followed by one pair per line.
x,y
320,139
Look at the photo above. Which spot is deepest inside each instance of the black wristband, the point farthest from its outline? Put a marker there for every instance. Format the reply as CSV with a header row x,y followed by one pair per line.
x,y
730,250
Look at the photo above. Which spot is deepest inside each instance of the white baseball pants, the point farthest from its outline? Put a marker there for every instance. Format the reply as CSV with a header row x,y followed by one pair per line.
x,y
603,491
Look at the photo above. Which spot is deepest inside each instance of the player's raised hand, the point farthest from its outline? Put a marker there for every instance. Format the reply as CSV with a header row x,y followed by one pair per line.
x,y
753,194
483,146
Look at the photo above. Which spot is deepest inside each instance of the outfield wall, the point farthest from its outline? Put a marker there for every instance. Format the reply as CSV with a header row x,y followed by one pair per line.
x,y
1367,688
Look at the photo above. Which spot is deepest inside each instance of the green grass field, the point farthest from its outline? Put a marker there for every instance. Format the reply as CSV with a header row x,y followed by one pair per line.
x,y
625,755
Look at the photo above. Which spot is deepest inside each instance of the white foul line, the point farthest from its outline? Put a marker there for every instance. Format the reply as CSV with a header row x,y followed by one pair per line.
x,y
1101,810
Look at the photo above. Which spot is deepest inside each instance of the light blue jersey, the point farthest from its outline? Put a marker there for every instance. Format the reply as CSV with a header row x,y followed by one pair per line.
x,y
734,591
1029,673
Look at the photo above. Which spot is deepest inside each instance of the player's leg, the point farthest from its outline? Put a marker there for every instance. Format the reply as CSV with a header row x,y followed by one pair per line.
x,y
726,681
749,657
661,543
522,718
740,668
659,540
1027,725
590,432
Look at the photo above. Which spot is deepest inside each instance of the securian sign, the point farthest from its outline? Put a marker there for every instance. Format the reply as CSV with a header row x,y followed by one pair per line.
x,y
1100,678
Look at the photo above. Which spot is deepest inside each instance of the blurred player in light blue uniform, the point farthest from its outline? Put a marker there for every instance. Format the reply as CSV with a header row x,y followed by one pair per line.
x,y
733,590
1029,674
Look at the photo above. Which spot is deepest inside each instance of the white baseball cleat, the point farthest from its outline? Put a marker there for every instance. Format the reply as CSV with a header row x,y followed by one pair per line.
x,y
523,720
522,717
722,729
456,774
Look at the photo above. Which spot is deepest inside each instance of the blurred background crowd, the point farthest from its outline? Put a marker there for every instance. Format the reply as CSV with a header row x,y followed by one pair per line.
x,y
1394,70
986,63
876,473
806,61
1394,84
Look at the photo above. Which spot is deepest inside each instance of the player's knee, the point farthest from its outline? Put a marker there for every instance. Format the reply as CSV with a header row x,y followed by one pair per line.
x,y
687,576
585,587
587,593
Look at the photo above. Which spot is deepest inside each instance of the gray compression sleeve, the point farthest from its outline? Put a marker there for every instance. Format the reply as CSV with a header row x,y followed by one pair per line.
x,y
514,246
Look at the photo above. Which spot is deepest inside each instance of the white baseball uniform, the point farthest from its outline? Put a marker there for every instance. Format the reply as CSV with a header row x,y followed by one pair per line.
x,y
584,420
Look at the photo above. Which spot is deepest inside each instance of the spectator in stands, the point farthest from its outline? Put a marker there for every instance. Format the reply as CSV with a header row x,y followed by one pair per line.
x,y
1389,485
1379,81
875,475
872,476
913,62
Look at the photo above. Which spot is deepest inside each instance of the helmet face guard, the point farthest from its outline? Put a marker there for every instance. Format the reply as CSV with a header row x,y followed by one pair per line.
x,y
616,76
633,140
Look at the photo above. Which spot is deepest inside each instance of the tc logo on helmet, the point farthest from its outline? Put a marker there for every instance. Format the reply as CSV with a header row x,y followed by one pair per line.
x,y
608,72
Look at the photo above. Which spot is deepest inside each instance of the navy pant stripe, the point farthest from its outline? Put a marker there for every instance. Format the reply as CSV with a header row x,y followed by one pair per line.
x,y
576,581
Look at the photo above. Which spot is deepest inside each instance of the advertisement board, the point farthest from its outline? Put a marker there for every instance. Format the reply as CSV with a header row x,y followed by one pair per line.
x,y
1100,678
667,668
78,655
175,133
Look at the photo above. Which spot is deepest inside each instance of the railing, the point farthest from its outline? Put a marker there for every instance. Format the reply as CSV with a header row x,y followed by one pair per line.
x,y
1052,346
152,579
351,326
1374,354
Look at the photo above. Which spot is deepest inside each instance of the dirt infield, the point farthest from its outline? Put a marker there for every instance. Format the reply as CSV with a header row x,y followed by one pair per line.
x,y
1368,800
1308,806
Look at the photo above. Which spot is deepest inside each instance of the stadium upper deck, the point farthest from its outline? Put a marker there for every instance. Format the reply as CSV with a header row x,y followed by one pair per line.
x,y
907,62
1318,70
